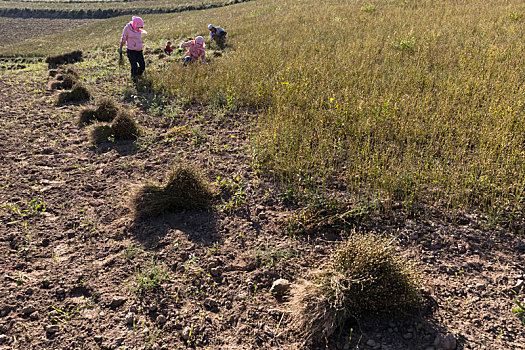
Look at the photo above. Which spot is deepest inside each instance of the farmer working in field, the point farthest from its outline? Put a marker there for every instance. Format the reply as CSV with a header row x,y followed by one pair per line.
x,y
195,50
218,34
132,36
168,50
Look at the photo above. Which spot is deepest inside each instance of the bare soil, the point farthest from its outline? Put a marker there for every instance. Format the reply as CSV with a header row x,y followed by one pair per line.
x,y
71,252
20,29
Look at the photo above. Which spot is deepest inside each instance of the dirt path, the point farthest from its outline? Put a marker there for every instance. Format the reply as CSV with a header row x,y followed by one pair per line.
x,y
71,255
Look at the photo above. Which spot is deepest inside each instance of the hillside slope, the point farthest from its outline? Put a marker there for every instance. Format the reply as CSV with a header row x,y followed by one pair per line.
x,y
74,259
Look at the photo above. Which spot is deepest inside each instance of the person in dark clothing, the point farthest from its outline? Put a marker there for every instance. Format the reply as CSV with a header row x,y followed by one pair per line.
x,y
218,34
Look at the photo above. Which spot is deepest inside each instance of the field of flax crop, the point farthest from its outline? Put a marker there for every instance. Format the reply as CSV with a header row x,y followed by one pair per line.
x,y
413,101
418,101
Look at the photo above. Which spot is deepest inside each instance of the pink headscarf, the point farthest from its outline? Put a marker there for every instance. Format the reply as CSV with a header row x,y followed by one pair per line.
x,y
199,41
137,22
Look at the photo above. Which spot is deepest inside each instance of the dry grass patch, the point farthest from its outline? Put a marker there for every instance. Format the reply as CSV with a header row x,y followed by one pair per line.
x,y
79,93
100,134
107,109
185,189
364,275
124,127
86,116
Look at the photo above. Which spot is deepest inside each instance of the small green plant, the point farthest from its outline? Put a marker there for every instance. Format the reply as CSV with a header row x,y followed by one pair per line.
x,y
516,16
184,189
37,205
66,314
407,44
520,310
234,189
132,251
18,278
153,335
364,275
149,278
87,224
368,9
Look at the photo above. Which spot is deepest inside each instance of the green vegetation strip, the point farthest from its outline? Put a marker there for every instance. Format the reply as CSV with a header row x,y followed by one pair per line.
x,y
100,10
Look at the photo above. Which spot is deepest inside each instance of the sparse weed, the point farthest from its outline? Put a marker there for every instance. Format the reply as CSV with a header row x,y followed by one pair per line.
x,y
149,278
18,278
132,251
233,190
368,9
516,16
152,337
268,257
66,314
406,44
327,214
37,205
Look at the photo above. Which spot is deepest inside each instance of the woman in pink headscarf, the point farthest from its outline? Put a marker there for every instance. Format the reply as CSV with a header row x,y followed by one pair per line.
x,y
195,50
132,36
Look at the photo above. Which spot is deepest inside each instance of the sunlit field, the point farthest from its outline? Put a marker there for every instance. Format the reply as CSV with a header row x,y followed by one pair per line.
x,y
426,110
412,101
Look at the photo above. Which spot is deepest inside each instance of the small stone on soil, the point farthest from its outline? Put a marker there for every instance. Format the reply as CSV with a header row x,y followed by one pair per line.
x,y
52,328
280,286
130,318
27,310
518,286
447,342
481,286
211,305
186,333
116,302
407,335
161,319
3,338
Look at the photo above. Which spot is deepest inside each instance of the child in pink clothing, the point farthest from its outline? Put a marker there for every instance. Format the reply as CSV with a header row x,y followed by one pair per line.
x,y
132,36
195,50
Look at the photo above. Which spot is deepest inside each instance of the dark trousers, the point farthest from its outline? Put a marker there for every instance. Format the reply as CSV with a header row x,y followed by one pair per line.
x,y
220,39
136,61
